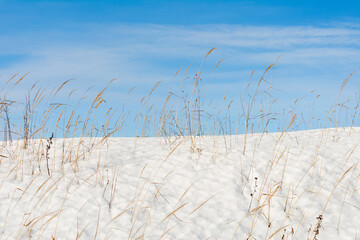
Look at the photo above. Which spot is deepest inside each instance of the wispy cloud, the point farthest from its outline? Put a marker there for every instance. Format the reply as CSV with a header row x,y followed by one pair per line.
x,y
143,54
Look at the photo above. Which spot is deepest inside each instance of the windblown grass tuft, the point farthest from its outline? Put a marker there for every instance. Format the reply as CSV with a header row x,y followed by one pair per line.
x,y
193,168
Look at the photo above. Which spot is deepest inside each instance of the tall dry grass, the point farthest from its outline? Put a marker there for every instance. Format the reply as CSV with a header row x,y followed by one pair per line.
x,y
31,143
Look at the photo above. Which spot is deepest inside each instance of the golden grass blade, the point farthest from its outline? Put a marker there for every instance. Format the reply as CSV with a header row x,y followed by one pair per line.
x,y
272,235
182,196
18,81
343,84
218,63
177,72
61,86
252,74
332,192
11,78
211,50
131,89
173,212
201,205
186,70
153,89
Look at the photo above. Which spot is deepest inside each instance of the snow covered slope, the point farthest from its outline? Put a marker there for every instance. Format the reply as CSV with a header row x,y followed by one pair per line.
x,y
291,185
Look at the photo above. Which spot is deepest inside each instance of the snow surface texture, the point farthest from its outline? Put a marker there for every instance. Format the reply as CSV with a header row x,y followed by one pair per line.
x,y
296,185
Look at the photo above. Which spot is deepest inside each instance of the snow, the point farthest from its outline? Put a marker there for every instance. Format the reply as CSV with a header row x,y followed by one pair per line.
x,y
295,185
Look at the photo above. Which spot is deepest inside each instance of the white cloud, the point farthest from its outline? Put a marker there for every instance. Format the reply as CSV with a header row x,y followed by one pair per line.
x,y
140,55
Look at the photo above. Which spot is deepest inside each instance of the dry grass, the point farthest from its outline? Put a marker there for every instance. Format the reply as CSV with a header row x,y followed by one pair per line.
x,y
32,146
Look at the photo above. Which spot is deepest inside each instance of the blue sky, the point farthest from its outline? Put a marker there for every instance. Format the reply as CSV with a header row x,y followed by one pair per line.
x,y
45,14
142,42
